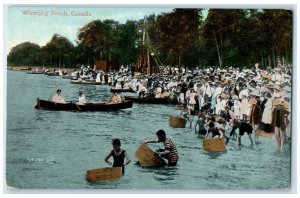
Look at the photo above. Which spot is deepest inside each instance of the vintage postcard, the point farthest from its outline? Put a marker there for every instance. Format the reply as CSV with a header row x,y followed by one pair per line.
x,y
149,98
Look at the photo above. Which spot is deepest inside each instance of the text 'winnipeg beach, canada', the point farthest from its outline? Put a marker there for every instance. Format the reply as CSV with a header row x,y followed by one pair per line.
x,y
55,13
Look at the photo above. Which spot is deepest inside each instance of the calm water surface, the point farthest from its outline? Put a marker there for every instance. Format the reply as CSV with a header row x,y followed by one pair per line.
x,y
54,149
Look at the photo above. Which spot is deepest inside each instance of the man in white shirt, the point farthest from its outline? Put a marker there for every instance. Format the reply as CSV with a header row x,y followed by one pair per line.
x,y
58,97
81,99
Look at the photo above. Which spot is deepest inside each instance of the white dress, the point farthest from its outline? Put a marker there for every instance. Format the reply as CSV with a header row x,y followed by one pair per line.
x,y
236,107
266,117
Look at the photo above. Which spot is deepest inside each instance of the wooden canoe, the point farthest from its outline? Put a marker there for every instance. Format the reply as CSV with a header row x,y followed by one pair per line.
x,y
115,90
214,144
147,157
49,105
34,72
85,82
51,74
264,134
148,100
104,174
177,122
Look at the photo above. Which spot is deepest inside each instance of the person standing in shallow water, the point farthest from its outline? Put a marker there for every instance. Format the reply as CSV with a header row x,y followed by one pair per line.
x,y
170,152
118,155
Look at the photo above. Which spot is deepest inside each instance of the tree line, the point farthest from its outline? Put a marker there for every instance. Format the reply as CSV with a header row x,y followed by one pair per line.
x,y
225,37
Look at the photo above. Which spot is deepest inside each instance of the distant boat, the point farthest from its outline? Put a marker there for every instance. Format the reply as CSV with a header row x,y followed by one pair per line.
x,y
51,74
148,100
122,90
34,72
85,82
49,105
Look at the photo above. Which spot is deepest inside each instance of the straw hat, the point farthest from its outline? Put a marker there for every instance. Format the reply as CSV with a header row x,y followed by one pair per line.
x,y
252,101
277,95
276,101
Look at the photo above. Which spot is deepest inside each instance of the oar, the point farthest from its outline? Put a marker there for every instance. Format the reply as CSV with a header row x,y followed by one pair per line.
x,y
78,107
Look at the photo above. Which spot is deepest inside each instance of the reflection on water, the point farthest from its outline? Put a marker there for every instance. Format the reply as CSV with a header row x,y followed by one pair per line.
x,y
54,149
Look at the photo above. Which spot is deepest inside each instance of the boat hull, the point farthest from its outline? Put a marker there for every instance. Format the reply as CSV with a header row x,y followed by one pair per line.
x,y
144,100
49,105
85,83
121,90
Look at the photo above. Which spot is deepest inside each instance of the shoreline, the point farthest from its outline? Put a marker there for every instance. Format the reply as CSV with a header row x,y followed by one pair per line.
x,y
28,68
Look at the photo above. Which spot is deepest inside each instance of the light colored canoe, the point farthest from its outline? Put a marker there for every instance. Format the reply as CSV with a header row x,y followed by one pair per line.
x,y
214,144
104,174
177,122
146,156
264,134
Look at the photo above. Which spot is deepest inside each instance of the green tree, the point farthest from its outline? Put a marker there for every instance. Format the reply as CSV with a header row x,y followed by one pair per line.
x,y
177,33
58,52
24,54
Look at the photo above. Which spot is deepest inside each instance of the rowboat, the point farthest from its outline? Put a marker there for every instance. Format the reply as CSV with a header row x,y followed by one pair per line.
x,y
34,72
147,157
103,174
115,90
85,82
148,100
264,134
49,105
51,73
214,144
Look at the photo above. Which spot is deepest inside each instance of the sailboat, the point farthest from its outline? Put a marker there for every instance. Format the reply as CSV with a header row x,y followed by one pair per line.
x,y
146,63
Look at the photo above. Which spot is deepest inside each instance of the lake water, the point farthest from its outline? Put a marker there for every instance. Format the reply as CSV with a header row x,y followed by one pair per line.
x,y
54,149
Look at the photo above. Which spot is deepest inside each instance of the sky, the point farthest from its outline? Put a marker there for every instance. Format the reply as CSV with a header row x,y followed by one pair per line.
x,y
38,24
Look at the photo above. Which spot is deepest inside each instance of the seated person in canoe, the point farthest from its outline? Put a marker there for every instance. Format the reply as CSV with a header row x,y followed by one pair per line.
x,y
57,98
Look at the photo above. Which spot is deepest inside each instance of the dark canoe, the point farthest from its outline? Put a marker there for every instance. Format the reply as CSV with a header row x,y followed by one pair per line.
x,y
34,72
147,100
121,90
51,74
48,105
85,82
70,77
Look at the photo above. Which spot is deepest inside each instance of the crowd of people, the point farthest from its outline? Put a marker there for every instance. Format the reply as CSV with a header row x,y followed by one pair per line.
x,y
227,102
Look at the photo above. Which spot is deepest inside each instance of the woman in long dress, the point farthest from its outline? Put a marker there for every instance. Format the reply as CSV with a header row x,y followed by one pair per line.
x,y
267,114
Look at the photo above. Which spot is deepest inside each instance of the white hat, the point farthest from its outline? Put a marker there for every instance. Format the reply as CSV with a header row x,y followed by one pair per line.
x,y
255,93
277,95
